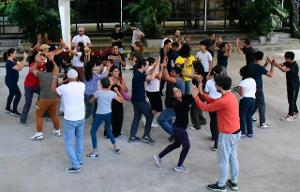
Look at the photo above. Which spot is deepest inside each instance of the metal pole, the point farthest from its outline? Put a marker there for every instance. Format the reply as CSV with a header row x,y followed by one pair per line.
x,y
205,16
121,22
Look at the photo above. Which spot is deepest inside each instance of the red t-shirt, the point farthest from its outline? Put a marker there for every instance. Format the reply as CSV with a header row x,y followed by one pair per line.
x,y
227,111
31,80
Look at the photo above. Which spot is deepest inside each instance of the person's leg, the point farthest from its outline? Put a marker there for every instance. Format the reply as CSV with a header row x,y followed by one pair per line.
x,y
296,92
176,144
117,116
95,126
234,164
243,115
136,119
88,106
69,132
29,91
261,105
17,99
194,113
250,108
183,138
107,127
10,96
165,120
79,135
146,110
187,87
43,105
290,94
224,151
52,111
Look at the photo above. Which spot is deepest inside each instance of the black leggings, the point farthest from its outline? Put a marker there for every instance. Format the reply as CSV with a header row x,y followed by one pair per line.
x,y
117,116
181,138
14,94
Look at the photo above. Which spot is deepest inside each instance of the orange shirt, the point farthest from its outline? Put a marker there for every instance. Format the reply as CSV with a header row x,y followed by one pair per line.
x,y
227,111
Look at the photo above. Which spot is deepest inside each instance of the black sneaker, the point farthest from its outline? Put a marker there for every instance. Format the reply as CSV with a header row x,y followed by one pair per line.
x,y
216,187
15,113
72,170
171,138
147,139
233,186
133,139
7,110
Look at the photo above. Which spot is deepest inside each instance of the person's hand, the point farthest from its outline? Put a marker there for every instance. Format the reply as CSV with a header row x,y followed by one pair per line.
x,y
195,91
116,89
25,55
200,88
238,40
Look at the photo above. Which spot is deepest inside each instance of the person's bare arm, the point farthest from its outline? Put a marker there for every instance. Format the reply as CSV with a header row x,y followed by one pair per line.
x,y
238,46
92,100
20,64
228,51
152,72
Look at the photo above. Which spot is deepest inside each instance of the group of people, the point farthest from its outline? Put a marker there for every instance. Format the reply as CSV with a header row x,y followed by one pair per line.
x,y
192,84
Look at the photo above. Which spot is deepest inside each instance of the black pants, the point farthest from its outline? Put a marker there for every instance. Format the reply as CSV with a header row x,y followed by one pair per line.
x,y
13,96
161,86
260,104
197,118
117,117
214,128
181,138
292,94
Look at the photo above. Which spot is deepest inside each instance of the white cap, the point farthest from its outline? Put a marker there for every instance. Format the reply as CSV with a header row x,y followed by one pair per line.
x,y
72,74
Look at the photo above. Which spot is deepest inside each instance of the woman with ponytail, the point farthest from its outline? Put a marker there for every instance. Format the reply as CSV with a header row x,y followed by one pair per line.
x,y
11,79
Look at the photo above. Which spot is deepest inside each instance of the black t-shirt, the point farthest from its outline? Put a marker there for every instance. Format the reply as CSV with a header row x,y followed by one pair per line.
x,y
12,75
138,87
222,59
292,76
182,111
257,72
115,36
249,53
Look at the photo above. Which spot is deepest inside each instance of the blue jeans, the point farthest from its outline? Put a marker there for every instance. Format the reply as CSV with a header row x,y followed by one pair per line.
x,y
141,108
247,105
165,120
71,129
96,124
187,88
227,156
29,92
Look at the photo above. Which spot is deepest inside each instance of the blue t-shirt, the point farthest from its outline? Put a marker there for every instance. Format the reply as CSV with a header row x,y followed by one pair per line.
x,y
138,86
104,99
222,59
257,71
12,75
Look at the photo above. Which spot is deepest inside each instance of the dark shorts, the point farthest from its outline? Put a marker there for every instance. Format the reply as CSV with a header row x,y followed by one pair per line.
x,y
155,100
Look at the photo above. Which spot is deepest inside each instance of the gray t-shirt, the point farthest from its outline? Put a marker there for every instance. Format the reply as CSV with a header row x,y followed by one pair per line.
x,y
104,99
45,85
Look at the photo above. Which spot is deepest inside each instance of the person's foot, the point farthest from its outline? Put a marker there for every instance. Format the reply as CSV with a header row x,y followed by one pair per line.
x,y
250,135
181,169
157,160
154,125
243,136
232,186
72,170
296,115
194,128
216,187
214,149
7,110
37,136
93,155
265,125
254,119
15,113
117,151
171,138
287,118
56,132
148,139
133,139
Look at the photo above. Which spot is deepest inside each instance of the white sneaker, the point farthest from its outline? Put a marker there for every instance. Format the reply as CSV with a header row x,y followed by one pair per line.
x,y
192,128
181,169
157,160
56,132
265,125
37,136
287,118
154,125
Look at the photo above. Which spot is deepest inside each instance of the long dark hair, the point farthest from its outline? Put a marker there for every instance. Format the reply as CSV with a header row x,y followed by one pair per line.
x,y
88,70
8,53
81,49
185,51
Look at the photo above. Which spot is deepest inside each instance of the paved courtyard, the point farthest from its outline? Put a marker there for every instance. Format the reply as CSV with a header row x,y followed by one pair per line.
x,y
268,162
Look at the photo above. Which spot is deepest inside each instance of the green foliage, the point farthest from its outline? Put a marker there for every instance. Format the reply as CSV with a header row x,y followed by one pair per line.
x,y
2,8
263,16
150,14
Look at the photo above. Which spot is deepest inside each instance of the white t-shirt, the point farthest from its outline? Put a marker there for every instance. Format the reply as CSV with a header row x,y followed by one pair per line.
x,y
249,87
153,85
84,39
135,36
205,58
104,99
76,60
72,95
210,88
163,41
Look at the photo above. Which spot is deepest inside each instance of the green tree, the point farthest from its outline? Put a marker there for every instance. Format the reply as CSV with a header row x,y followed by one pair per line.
x,y
150,14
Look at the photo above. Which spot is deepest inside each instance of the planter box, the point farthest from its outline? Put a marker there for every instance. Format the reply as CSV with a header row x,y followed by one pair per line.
x,y
274,39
